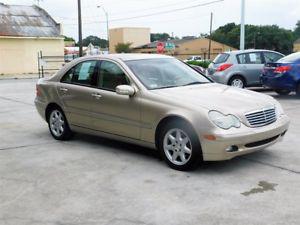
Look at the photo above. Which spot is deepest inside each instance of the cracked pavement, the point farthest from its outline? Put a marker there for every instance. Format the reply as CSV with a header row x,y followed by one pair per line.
x,y
91,180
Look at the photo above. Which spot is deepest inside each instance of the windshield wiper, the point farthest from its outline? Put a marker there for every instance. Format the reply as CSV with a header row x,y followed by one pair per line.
x,y
194,83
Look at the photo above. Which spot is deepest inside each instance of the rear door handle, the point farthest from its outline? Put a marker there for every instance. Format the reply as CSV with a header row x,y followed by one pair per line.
x,y
96,95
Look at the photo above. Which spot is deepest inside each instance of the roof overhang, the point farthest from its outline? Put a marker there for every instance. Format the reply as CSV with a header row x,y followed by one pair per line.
x,y
21,37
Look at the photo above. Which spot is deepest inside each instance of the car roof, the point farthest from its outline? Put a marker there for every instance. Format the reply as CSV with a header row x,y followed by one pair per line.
x,y
129,56
249,50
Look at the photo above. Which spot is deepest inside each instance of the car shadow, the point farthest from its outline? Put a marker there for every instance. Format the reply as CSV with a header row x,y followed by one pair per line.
x,y
218,167
117,145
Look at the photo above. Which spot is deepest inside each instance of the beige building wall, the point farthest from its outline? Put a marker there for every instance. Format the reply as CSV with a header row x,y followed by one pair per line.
x,y
135,35
297,47
187,48
200,47
19,55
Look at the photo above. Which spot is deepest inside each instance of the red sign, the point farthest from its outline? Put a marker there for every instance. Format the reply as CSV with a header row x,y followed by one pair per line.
x,y
160,47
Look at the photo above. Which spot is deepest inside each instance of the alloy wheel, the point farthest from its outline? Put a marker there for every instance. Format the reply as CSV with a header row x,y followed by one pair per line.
x,y
177,146
237,83
57,123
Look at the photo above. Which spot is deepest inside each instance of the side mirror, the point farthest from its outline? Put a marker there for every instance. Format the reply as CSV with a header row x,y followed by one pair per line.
x,y
125,90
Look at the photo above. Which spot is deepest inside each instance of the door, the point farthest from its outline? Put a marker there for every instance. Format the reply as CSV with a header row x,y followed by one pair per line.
x,y
114,113
251,64
76,91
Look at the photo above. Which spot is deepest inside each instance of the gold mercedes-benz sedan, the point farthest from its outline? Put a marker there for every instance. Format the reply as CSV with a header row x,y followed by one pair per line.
x,y
159,102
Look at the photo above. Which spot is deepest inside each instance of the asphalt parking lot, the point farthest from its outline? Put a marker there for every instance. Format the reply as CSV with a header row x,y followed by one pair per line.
x,y
90,180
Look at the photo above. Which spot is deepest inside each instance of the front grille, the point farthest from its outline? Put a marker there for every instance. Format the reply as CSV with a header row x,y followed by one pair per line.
x,y
262,117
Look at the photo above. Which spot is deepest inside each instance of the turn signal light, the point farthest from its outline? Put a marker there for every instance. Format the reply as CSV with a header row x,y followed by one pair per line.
x,y
282,69
224,67
210,137
38,91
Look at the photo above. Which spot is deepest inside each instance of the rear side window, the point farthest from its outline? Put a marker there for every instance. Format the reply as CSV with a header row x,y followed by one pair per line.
x,y
250,58
84,73
271,57
290,58
221,58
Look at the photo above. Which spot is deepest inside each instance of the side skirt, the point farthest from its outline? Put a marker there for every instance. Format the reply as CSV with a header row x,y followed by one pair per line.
x,y
112,136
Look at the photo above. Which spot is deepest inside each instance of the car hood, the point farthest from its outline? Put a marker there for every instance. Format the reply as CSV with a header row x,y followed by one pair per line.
x,y
229,100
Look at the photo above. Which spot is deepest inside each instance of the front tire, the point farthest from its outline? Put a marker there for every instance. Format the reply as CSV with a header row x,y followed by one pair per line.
x,y
180,146
237,81
58,125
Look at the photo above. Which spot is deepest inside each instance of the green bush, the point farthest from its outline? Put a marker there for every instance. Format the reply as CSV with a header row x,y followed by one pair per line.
x,y
123,47
204,63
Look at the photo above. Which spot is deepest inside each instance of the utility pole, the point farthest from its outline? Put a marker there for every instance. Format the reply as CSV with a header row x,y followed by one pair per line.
x,y
242,35
80,29
210,31
107,29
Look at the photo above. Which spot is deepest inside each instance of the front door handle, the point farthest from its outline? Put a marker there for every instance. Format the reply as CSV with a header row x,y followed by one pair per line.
x,y
96,95
64,89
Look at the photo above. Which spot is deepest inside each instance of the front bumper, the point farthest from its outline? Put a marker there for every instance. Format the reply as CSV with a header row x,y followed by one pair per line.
x,y
247,140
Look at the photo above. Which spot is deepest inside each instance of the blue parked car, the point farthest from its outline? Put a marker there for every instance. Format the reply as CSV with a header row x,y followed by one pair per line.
x,y
283,76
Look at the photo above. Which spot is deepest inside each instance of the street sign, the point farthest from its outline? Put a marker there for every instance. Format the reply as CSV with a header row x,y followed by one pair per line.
x,y
160,47
170,46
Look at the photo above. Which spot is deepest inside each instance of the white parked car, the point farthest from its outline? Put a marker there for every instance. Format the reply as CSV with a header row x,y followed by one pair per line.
x,y
193,58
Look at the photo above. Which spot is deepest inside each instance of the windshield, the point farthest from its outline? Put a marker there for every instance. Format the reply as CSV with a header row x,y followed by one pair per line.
x,y
165,73
290,58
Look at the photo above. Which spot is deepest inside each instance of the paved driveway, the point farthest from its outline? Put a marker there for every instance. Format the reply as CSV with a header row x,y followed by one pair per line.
x,y
91,180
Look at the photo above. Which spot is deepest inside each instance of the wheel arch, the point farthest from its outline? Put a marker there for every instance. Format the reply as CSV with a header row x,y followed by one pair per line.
x,y
50,106
237,75
166,120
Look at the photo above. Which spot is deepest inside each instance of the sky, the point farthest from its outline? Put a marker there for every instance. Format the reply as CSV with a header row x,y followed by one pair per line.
x,y
193,20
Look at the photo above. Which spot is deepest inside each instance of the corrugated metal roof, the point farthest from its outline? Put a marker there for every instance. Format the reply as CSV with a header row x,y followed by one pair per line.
x,y
27,21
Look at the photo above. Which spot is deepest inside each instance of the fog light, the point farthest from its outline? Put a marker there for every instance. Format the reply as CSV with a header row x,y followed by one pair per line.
x,y
232,148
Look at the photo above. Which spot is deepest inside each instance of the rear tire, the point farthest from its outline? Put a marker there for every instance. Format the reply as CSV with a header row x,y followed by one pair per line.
x,y
237,81
179,146
283,92
58,124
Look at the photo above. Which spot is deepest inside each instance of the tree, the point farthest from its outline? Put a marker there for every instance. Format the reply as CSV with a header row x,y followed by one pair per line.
x,y
297,30
261,37
159,37
123,48
69,39
96,41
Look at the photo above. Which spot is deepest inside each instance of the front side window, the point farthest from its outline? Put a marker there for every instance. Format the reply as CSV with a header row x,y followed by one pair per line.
x,y
165,73
84,73
111,76
272,57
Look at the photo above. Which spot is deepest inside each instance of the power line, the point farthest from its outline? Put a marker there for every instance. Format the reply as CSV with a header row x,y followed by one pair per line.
x,y
133,11
157,13
160,21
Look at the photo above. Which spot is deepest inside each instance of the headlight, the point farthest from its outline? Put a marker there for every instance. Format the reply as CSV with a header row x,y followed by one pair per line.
x,y
224,121
279,110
